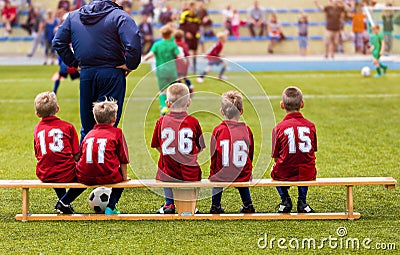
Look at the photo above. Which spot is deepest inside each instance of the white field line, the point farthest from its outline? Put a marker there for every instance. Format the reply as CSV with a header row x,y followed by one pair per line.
x,y
272,97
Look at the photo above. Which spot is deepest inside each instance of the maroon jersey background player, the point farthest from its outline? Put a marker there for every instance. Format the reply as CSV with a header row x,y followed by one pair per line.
x,y
294,141
55,143
232,149
215,52
179,137
103,150
182,64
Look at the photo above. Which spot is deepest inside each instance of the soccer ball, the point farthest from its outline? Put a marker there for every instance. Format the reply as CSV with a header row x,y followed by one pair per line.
x,y
98,199
365,71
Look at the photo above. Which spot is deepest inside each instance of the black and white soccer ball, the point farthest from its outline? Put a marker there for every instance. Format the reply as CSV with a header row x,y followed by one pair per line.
x,y
98,199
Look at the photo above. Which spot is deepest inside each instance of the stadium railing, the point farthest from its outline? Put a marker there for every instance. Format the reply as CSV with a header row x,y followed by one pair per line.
x,y
186,194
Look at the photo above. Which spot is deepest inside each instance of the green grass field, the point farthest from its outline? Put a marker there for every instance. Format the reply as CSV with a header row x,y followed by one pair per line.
x,y
357,123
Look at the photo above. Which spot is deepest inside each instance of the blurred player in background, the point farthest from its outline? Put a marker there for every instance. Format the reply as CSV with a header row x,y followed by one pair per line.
x,y
214,58
377,50
182,64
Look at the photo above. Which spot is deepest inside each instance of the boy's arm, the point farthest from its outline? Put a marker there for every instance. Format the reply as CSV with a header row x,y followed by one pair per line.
x,y
77,157
148,56
319,6
382,48
124,171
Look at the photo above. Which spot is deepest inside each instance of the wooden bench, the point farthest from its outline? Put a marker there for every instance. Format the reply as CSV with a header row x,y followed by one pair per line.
x,y
185,195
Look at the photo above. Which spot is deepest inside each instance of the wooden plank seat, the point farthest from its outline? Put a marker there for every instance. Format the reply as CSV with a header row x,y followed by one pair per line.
x,y
185,195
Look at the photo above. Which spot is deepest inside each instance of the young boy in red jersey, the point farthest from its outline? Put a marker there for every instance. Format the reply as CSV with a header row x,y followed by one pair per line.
x,y
179,138
56,147
182,64
105,156
294,143
232,149
213,58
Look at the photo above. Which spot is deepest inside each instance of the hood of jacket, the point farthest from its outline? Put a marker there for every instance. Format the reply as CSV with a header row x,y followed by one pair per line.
x,y
94,11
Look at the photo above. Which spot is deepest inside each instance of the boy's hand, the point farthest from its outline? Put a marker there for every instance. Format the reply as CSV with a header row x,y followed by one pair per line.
x,y
125,68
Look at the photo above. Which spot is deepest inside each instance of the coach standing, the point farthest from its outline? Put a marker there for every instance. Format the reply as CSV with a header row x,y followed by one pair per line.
x,y
106,46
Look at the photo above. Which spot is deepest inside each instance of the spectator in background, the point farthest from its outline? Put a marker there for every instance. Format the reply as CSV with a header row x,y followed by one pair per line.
x,y
274,31
49,31
76,4
387,18
303,33
358,20
146,32
236,23
334,13
159,5
190,22
64,4
9,15
147,8
126,5
167,15
256,19
37,31
205,24
32,21
227,15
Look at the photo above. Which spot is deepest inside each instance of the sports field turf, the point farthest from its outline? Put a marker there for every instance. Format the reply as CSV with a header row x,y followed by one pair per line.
x,y
357,122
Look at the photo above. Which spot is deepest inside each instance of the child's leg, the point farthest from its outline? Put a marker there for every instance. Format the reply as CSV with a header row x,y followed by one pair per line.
x,y
283,192
216,196
245,195
221,73
302,193
60,192
162,97
114,197
206,71
56,85
377,66
71,195
169,196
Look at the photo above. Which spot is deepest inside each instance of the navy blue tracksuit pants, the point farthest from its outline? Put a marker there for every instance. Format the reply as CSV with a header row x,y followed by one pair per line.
x,y
96,84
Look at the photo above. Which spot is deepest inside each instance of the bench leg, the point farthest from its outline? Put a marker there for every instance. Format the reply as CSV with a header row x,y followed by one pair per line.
x,y
25,204
349,202
185,200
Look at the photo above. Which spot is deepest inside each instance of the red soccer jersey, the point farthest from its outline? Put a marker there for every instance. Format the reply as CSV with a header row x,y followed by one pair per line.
x,y
55,142
294,143
215,51
231,149
103,150
180,139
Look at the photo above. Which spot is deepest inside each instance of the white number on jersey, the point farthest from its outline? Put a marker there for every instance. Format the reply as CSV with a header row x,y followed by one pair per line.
x,y
56,146
185,145
239,154
305,144
101,148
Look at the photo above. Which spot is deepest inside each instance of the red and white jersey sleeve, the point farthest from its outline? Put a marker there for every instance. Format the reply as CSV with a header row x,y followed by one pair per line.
x,y
55,143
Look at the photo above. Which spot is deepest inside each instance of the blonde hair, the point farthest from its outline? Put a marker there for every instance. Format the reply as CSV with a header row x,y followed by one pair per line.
x,y
105,112
46,104
178,95
179,34
221,35
232,104
292,98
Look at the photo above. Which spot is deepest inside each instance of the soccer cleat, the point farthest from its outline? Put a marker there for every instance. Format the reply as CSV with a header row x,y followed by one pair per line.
x,y
377,76
286,206
191,90
200,80
167,209
304,207
216,209
164,110
247,209
60,207
109,211
223,77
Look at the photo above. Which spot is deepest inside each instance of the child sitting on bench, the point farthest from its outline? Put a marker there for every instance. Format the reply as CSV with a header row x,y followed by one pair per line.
x,y
294,143
56,147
